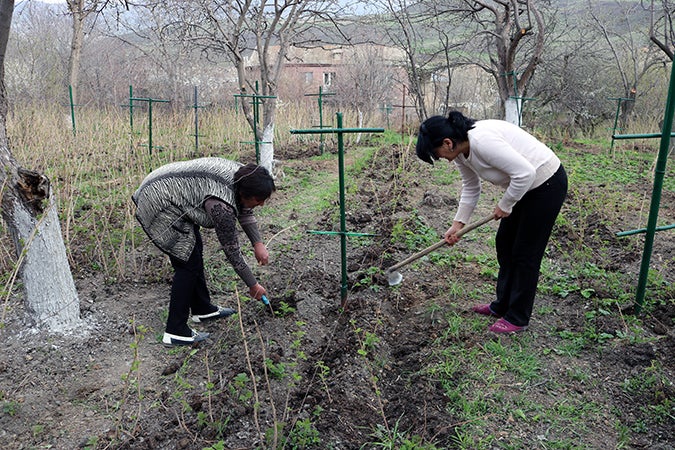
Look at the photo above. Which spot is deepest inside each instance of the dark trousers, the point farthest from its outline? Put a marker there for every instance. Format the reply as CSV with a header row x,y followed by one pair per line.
x,y
521,241
188,290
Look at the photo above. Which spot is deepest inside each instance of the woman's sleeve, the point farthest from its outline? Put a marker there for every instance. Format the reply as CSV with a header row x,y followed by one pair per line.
x,y
224,220
250,225
471,190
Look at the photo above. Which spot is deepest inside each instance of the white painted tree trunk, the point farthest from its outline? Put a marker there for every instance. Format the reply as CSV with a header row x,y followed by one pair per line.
x,y
513,110
267,149
51,296
360,124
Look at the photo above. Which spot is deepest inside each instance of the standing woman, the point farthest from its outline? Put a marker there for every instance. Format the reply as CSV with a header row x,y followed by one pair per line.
x,y
535,186
173,202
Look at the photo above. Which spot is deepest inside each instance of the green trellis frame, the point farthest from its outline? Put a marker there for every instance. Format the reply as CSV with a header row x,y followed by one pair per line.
x,y
520,101
150,102
659,174
320,96
343,233
615,128
196,107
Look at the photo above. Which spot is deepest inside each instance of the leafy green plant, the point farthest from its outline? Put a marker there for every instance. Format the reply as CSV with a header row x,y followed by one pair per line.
x,y
276,370
37,430
283,309
303,435
220,445
239,387
10,408
413,232
396,439
91,443
366,279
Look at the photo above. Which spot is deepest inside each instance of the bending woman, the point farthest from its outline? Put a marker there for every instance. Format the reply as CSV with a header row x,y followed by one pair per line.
x,y
535,186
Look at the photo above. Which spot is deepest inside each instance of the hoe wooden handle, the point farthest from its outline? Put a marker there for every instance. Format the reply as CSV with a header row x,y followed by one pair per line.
x,y
441,243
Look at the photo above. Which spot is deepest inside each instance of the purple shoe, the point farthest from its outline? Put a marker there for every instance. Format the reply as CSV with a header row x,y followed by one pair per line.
x,y
484,310
503,326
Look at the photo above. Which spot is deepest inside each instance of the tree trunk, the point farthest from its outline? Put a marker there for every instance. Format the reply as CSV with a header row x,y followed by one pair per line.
x,y
513,111
78,14
627,107
32,220
267,149
51,296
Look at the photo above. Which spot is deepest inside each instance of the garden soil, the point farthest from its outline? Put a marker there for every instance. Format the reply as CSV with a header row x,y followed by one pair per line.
x,y
334,371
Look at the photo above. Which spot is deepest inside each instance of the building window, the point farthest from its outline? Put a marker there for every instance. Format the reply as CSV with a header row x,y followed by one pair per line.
x,y
328,78
309,77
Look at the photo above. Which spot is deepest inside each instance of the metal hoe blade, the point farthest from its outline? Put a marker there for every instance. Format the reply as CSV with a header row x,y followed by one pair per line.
x,y
394,278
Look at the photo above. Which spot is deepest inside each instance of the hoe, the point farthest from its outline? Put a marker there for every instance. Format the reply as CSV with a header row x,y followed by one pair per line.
x,y
394,277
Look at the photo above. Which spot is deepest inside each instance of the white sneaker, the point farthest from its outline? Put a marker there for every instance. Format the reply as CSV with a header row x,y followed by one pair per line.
x,y
173,339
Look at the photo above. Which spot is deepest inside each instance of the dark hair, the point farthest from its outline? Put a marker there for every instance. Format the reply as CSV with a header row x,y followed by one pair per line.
x,y
253,180
436,128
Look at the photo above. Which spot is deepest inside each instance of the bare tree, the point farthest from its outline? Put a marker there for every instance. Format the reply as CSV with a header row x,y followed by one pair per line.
x,y
574,78
150,27
79,11
367,79
513,33
254,33
661,28
632,58
37,53
404,27
29,209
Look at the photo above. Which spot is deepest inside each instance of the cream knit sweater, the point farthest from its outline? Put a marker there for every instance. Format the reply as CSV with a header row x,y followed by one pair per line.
x,y
507,156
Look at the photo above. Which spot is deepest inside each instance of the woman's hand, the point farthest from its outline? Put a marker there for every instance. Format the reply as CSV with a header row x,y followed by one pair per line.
x,y
257,291
450,236
500,214
261,253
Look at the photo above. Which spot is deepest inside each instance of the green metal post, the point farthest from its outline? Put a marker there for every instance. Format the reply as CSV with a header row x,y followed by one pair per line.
x,y
196,108
131,109
150,127
387,110
256,118
72,108
644,230
515,95
320,96
403,106
343,222
640,136
150,102
320,102
659,174
196,122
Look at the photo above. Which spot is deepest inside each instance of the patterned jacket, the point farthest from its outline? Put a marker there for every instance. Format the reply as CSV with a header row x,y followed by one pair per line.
x,y
170,201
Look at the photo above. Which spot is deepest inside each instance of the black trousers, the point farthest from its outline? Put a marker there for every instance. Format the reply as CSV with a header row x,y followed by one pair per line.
x,y
188,290
521,241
